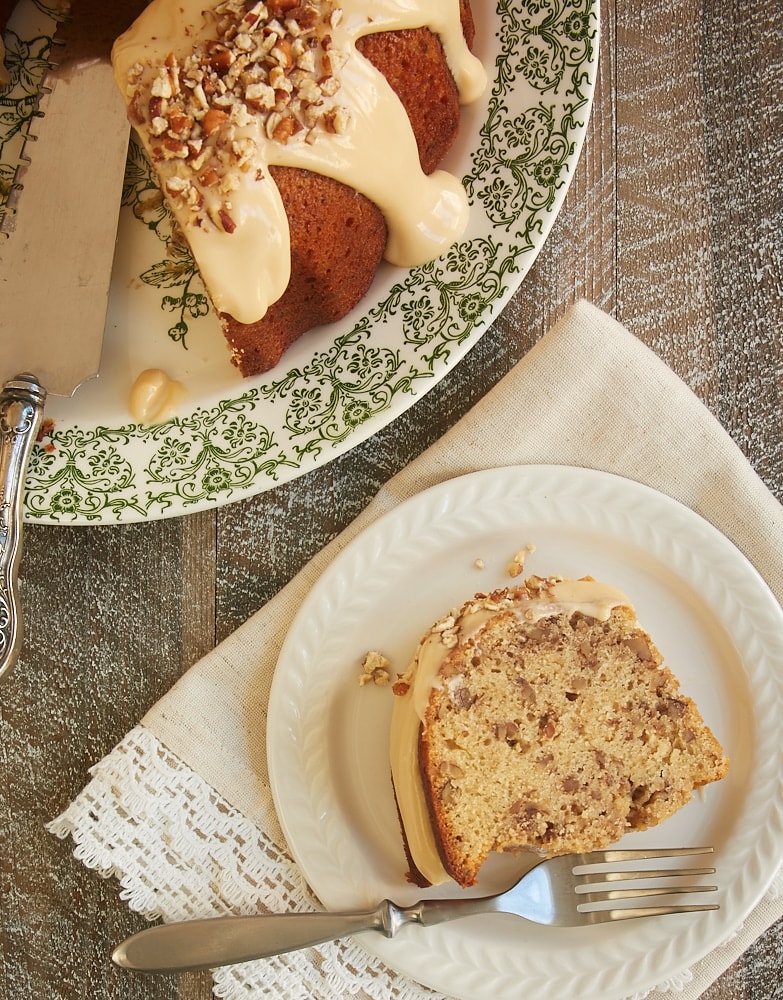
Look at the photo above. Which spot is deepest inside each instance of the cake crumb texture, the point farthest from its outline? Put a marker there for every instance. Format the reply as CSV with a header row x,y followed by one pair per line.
x,y
559,735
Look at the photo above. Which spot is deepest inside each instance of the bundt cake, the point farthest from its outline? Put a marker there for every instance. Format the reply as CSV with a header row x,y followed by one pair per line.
x,y
87,33
539,717
297,144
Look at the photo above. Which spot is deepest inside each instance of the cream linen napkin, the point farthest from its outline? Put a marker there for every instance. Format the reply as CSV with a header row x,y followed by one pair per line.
x,y
181,811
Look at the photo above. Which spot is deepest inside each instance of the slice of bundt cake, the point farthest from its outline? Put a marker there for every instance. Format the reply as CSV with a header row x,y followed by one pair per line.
x,y
296,142
540,717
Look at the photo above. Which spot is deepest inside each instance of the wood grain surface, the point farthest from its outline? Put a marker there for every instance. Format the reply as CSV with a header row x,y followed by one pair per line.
x,y
673,224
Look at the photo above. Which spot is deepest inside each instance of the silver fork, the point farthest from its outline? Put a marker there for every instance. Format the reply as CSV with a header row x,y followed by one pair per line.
x,y
562,892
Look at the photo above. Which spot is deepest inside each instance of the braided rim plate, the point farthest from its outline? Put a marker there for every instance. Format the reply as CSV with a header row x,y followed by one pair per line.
x,y
235,438
716,623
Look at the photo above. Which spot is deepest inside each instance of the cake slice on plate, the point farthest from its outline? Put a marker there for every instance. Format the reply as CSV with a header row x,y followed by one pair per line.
x,y
540,717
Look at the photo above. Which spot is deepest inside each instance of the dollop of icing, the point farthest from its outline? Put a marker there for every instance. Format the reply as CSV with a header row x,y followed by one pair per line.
x,y
155,397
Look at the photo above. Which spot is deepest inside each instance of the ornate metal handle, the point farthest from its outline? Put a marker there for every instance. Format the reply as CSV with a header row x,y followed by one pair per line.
x,y
21,411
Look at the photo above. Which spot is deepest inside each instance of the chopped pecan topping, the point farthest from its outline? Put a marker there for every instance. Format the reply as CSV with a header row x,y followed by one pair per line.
x,y
270,65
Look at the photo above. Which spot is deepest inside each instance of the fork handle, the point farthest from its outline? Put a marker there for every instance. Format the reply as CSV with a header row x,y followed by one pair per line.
x,y
216,941
207,944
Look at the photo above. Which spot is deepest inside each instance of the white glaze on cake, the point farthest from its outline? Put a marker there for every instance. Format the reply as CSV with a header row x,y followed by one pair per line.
x,y
358,134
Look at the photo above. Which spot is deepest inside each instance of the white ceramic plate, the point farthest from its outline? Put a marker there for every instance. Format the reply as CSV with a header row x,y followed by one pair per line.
x,y
712,616
340,384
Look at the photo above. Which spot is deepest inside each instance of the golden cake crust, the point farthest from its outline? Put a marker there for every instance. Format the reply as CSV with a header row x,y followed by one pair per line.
x,y
326,283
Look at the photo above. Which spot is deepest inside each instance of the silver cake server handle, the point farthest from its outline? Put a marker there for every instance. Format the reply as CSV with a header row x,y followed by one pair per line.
x,y
21,412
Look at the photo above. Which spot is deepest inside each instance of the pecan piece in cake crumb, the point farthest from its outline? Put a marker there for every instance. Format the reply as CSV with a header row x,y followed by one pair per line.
x,y
517,565
374,669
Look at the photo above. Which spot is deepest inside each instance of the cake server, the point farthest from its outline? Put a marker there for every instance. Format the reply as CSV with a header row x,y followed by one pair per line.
x,y
57,242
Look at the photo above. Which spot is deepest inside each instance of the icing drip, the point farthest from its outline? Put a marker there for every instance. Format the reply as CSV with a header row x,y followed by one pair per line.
x,y
212,122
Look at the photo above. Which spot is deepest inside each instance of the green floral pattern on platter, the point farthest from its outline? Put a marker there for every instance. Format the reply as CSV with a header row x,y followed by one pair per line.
x,y
26,63
349,380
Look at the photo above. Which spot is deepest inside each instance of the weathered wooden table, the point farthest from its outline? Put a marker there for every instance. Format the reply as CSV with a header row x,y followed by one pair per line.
x,y
673,223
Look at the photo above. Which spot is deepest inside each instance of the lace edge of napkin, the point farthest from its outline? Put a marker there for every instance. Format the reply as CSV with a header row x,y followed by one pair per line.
x,y
180,851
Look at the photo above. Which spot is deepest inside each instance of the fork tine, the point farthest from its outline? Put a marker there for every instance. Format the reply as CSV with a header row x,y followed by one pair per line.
x,y
593,896
592,883
592,878
630,912
638,854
